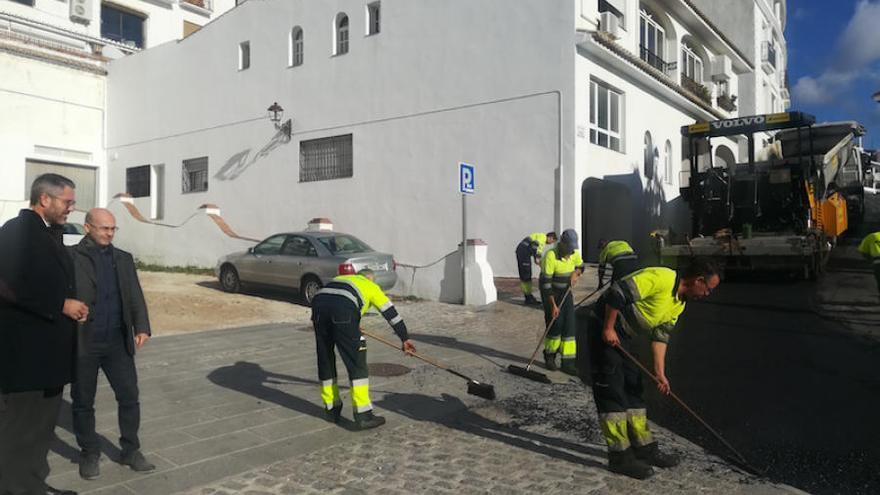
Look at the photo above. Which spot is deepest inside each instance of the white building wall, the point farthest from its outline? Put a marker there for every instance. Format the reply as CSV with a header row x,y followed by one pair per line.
x,y
443,82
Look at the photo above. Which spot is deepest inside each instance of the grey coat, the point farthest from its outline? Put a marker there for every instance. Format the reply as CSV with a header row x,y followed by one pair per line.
x,y
134,307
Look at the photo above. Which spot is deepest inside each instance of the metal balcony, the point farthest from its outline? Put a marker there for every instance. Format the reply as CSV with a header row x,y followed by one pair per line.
x,y
653,59
768,57
727,102
698,90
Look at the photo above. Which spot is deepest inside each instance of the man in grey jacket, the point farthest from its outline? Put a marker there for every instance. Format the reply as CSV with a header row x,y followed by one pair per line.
x,y
117,326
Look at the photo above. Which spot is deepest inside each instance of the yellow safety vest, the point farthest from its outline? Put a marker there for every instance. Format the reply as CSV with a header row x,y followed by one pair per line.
x,y
556,272
870,246
656,305
614,250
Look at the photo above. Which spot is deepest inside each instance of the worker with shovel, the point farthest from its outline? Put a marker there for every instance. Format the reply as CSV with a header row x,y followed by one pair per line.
x,y
620,255
870,249
650,301
532,247
560,268
336,316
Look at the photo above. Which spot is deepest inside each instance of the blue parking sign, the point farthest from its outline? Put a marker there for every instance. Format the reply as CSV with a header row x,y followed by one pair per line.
x,y
466,180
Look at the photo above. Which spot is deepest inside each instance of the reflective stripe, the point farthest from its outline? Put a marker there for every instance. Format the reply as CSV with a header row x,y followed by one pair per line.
x,y
551,344
353,286
614,431
628,256
397,319
637,422
330,394
569,348
385,307
340,292
360,395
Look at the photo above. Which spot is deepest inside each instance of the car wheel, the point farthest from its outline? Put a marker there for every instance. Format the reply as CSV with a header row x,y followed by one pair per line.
x,y
229,279
309,288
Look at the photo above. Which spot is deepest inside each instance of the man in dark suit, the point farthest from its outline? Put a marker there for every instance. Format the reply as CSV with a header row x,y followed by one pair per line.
x,y
107,281
38,315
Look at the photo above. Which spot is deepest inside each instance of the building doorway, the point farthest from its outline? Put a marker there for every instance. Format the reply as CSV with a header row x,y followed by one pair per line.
x,y
606,213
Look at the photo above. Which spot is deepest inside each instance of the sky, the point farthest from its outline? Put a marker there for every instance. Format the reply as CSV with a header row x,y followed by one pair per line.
x,y
834,61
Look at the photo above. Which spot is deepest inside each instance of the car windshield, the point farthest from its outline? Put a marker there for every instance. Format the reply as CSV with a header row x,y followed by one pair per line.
x,y
344,244
73,228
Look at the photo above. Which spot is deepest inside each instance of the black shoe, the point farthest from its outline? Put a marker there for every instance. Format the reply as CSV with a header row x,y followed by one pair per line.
x,y
367,420
332,415
89,468
137,462
568,367
530,300
56,491
550,361
625,463
651,454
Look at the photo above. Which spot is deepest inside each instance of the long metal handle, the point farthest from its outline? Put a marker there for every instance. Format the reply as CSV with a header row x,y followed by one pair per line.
x,y
547,330
688,409
413,354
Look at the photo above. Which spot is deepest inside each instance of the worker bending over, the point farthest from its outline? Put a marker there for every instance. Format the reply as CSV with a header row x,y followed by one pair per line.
x,y
532,247
560,269
650,302
336,315
620,255
870,248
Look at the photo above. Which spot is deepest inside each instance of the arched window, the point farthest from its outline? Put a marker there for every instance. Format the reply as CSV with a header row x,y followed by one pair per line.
x,y
691,64
341,34
296,47
652,40
667,163
649,156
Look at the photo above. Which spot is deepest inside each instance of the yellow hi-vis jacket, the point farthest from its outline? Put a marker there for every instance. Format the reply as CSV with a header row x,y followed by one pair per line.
x,y
614,250
536,243
648,300
870,246
364,294
556,272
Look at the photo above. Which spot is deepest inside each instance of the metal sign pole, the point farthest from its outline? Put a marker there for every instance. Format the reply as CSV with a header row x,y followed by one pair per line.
x,y
464,298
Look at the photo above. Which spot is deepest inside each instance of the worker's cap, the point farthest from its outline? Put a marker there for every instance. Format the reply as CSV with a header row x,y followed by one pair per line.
x,y
569,238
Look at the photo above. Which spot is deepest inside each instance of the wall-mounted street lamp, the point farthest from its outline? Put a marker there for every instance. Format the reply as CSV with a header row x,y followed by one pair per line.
x,y
275,115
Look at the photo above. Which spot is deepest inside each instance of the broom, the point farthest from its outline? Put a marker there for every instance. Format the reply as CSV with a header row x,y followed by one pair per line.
x,y
483,390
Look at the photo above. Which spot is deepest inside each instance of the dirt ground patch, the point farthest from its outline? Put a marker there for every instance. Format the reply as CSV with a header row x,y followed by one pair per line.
x,y
180,302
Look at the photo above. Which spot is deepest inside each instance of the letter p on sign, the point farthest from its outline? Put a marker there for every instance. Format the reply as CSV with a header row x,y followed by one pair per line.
x,y
466,183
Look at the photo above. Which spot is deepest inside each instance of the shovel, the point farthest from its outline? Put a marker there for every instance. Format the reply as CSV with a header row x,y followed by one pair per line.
x,y
483,390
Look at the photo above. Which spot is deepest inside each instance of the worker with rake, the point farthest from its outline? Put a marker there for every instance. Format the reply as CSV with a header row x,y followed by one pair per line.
x,y
650,302
560,269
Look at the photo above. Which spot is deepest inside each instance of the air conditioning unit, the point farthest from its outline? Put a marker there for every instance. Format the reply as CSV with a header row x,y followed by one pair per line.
x,y
81,11
608,23
721,68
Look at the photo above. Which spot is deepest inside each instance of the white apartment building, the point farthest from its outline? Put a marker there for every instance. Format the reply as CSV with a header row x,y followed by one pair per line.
x,y
570,111
53,56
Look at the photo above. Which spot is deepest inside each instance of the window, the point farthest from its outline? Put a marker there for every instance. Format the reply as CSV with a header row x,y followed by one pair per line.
x,y
325,158
298,246
122,26
29,3
667,163
244,55
649,156
373,24
195,175
615,7
651,40
137,181
344,244
296,47
271,245
341,34
604,116
691,65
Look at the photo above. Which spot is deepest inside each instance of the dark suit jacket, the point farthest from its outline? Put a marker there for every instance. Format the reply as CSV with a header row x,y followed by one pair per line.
x,y
134,308
37,341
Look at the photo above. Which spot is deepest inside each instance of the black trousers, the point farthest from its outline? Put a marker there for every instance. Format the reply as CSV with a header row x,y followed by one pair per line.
x,y
877,274
119,368
337,326
524,261
27,426
617,381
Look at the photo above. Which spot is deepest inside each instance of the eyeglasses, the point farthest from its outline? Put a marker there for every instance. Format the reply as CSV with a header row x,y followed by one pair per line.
x,y
67,202
104,228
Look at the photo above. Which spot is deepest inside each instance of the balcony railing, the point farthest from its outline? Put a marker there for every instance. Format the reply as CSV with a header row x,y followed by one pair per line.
x,y
653,59
768,57
727,102
700,91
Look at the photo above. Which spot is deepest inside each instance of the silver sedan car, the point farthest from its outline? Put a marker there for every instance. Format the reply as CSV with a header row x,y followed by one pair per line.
x,y
305,261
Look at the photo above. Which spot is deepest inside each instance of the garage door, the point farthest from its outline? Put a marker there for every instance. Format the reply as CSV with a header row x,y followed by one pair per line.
x,y
85,178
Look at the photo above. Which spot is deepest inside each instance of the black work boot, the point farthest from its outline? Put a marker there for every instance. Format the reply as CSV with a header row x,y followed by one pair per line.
x,y
550,361
530,300
367,420
651,454
568,367
625,463
332,415
89,468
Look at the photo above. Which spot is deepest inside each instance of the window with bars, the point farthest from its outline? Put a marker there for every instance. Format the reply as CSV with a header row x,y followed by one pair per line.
x,y
325,158
652,38
605,112
137,181
341,34
296,47
195,175
373,24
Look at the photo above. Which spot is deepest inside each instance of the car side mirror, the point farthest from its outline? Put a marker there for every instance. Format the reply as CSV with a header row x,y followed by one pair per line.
x,y
250,250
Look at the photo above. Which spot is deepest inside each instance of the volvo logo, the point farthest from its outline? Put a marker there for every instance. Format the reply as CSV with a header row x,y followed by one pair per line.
x,y
727,124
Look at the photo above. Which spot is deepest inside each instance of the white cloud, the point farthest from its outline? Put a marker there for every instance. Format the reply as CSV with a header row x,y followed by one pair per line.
x,y
823,89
